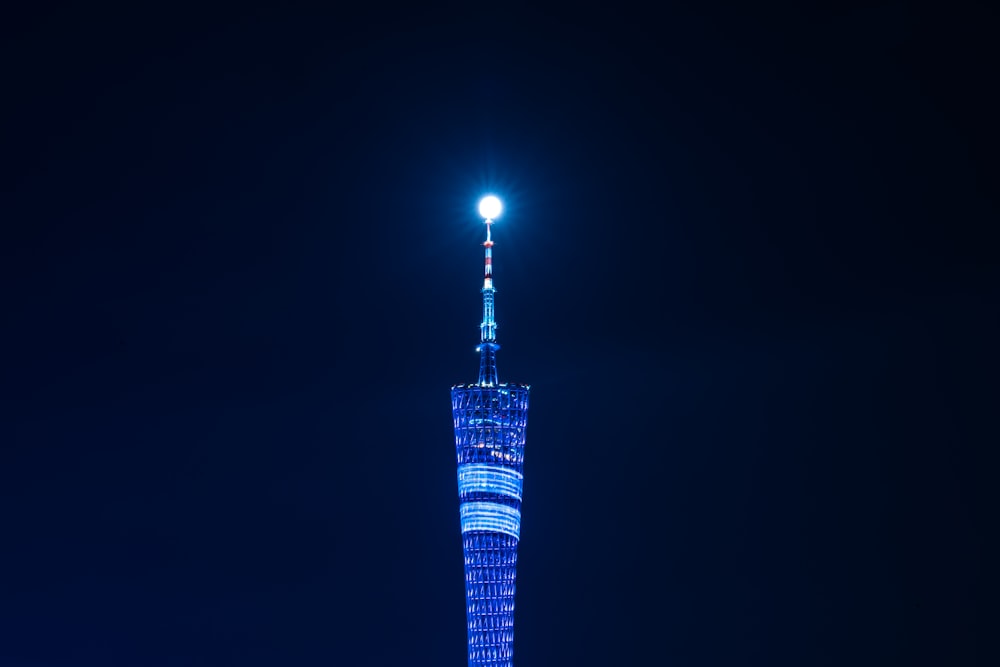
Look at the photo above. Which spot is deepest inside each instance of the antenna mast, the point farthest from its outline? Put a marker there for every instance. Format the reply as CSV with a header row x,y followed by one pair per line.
x,y
489,208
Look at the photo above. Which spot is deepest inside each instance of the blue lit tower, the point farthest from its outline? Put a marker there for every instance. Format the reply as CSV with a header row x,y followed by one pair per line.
x,y
490,422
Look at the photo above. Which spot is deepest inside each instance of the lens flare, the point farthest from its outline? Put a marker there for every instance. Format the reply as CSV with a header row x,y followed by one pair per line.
x,y
490,207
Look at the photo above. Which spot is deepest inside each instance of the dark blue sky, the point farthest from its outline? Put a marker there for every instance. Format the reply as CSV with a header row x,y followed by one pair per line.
x,y
745,266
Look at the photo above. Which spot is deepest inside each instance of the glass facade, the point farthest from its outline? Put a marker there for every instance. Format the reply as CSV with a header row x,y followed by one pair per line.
x,y
490,422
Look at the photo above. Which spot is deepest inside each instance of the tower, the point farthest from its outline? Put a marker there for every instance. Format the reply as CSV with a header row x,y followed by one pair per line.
x,y
490,422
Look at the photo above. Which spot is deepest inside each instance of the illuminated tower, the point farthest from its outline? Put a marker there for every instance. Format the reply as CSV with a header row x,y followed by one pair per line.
x,y
490,421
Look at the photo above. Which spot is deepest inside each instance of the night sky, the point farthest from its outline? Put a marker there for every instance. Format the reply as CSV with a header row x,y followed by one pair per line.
x,y
745,264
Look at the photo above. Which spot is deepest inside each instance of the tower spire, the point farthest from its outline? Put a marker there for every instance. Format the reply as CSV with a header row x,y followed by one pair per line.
x,y
491,422
489,208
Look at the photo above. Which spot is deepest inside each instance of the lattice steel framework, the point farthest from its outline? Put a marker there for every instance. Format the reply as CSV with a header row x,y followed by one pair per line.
x,y
490,423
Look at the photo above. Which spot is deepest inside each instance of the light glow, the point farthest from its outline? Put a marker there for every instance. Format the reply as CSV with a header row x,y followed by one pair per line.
x,y
490,207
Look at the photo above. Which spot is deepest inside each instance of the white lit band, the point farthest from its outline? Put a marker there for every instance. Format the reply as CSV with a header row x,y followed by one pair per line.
x,y
491,518
489,478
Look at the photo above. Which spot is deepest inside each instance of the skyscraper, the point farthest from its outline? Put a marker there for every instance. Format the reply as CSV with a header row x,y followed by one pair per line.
x,y
490,423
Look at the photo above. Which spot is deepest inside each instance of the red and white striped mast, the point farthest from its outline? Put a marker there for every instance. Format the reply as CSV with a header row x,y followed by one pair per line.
x,y
489,207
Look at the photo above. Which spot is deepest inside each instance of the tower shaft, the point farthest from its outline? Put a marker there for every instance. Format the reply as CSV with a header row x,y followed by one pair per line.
x,y
490,425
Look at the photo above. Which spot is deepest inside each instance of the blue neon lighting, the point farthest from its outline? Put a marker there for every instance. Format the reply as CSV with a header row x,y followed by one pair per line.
x,y
486,478
490,517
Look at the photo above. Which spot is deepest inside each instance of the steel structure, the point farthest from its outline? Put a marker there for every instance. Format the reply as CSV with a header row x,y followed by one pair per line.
x,y
490,421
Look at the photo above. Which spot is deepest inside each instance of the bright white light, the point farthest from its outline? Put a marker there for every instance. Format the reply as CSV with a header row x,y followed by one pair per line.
x,y
490,207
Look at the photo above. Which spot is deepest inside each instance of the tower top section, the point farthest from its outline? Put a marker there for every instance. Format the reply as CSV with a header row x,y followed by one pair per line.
x,y
490,208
